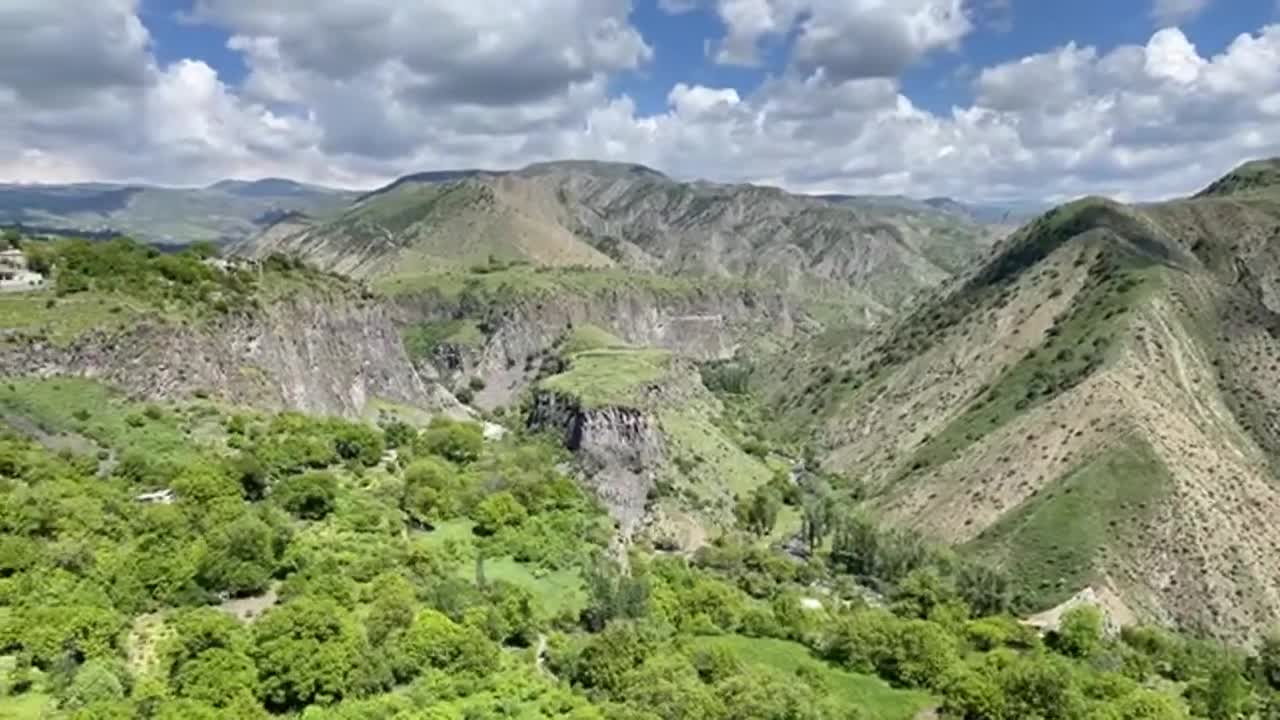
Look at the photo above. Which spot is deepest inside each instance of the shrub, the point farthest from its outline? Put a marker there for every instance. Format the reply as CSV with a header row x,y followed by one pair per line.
x,y
460,442
1079,632
310,496
498,511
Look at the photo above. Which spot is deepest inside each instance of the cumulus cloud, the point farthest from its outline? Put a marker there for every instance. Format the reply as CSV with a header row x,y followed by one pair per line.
x,y
845,38
354,93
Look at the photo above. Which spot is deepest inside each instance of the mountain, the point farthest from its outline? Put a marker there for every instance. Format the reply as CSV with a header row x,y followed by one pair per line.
x,y
1091,406
223,212
983,214
629,216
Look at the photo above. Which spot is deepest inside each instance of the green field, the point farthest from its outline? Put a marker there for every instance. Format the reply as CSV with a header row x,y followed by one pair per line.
x,y
849,689
61,320
590,337
556,591
88,409
598,378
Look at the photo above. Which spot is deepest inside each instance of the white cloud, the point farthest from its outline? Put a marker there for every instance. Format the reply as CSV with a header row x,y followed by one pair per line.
x,y
354,93
845,38
1175,12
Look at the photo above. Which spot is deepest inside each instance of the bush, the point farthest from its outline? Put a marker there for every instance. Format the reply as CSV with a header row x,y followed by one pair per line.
x,y
1079,632
459,442
433,491
498,511
310,496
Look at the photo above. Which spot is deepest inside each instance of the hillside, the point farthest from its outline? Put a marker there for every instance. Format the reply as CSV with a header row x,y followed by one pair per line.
x,y
223,212
603,215
250,489
1093,405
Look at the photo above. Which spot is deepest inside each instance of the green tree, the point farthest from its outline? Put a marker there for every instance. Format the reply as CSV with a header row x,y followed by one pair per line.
x,y
1269,658
239,557
393,609
217,677
308,650
1079,632
922,592
358,442
1223,693
986,590
459,442
758,512
95,682
817,516
435,641
398,433
434,491
498,511
310,496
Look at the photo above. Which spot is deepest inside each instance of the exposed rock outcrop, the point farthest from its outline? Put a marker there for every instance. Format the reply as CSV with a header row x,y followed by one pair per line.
x,y
620,451
704,325
330,355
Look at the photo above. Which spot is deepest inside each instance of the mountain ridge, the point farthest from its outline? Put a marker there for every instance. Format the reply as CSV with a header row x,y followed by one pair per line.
x,y
1088,405
631,216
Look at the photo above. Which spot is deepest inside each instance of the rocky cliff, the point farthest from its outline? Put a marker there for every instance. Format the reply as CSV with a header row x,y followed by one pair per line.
x,y
620,451
515,333
331,354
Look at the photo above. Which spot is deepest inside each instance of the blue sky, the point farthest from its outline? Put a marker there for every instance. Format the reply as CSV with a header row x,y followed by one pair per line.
x,y
680,42
987,99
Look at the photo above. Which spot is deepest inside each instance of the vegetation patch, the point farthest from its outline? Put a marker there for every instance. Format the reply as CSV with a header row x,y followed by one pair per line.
x,y
872,694
591,337
600,378
522,282
422,340
75,406
707,464
1055,541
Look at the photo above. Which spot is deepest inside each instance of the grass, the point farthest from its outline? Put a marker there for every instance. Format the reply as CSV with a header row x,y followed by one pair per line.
x,y
1076,346
27,706
600,378
90,409
591,337
556,591
713,462
61,320
871,694
525,282
1053,543
421,340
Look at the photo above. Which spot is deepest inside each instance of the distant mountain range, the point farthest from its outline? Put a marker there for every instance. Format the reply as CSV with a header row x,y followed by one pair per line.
x,y
634,217
223,212
986,214
235,210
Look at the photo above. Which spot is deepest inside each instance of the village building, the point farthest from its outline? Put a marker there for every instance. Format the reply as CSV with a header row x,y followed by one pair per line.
x,y
14,273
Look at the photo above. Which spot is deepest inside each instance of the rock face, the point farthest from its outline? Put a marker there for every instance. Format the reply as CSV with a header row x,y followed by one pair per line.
x,y
620,451
706,325
333,355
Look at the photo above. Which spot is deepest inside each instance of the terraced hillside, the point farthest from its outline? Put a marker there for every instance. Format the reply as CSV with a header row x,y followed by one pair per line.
x,y
602,215
1093,406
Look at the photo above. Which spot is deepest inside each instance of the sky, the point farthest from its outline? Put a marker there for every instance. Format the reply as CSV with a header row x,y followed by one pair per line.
x,y
980,100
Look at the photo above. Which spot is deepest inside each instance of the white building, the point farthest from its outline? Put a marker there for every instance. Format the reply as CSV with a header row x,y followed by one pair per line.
x,y
14,274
